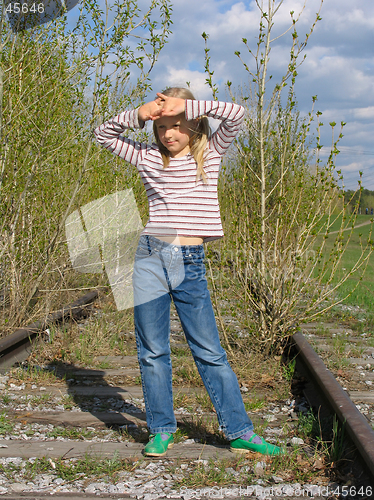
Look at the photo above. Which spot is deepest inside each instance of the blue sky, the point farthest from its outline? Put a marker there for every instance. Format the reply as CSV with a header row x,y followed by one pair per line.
x,y
339,67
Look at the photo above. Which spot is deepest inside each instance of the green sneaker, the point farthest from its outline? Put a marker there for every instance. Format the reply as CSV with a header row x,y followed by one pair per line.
x,y
242,446
158,444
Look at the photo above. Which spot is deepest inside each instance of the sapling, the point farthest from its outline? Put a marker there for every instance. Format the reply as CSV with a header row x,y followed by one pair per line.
x,y
279,201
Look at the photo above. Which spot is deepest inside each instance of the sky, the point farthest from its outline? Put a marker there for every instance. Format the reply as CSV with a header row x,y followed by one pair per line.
x,y
339,64
339,67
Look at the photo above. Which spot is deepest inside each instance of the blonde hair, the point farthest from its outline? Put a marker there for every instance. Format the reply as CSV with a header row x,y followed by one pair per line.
x,y
198,140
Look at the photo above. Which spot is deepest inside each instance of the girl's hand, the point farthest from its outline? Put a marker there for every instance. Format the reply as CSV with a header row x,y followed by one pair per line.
x,y
170,106
150,111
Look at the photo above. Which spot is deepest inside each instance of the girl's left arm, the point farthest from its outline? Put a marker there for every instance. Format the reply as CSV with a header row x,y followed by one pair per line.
x,y
230,114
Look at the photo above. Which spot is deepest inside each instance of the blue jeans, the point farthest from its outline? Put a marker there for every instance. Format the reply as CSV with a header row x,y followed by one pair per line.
x,y
166,271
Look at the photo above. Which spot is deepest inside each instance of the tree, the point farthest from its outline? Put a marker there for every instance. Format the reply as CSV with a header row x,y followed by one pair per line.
x,y
57,84
278,210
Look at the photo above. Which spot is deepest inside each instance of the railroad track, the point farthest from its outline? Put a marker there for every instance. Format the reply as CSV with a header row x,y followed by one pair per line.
x,y
325,391
17,347
100,412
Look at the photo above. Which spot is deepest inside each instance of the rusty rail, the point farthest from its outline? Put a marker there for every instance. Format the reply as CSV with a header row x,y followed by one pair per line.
x,y
17,346
356,425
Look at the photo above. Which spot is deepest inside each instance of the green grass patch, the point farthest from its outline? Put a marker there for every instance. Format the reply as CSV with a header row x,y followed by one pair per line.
x,y
308,425
69,470
363,295
76,433
213,473
255,404
336,225
6,427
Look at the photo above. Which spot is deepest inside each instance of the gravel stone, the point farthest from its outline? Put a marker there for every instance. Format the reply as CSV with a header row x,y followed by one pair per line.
x,y
121,488
296,441
277,479
288,491
91,488
259,468
18,487
189,441
270,418
152,496
153,483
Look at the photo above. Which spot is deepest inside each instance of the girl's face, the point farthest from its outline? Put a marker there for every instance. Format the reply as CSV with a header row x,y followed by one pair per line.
x,y
174,134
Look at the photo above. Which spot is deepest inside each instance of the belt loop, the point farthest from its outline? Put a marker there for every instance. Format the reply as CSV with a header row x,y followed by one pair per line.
x,y
149,245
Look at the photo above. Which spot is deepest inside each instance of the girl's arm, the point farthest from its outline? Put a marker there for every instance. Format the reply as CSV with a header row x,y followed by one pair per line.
x,y
230,114
109,133
109,136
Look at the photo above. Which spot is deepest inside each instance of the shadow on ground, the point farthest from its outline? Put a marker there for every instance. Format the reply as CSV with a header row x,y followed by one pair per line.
x,y
89,390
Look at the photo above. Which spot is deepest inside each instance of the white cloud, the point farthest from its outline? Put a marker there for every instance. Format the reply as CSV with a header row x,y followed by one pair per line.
x,y
173,77
237,20
352,167
364,113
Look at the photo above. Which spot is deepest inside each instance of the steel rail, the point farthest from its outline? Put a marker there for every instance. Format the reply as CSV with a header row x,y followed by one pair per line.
x,y
356,425
17,346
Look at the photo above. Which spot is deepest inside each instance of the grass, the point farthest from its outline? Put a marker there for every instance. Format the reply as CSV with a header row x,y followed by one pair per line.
x,y
256,403
203,400
340,345
68,470
79,343
201,473
308,426
322,330
203,428
211,474
186,373
338,441
327,435
39,399
179,352
5,398
293,467
6,426
364,293
355,312
75,433
361,219
197,474
289,370
68,402
32,374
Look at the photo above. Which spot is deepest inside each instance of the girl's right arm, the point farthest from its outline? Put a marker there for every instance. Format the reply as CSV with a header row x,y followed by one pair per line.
x,y
109,135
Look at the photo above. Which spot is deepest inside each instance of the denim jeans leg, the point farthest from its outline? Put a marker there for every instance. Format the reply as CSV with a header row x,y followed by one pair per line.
x,y
152,331
194,307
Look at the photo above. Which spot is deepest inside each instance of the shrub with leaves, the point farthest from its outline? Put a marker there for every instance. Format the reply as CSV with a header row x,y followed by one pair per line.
x,y
279,200
56,84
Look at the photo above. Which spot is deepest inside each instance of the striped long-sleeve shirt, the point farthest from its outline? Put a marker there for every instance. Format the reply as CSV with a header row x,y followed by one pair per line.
x,y
178,204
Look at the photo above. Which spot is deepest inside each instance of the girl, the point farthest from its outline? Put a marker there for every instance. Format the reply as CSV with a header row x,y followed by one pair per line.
x,y
180,174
